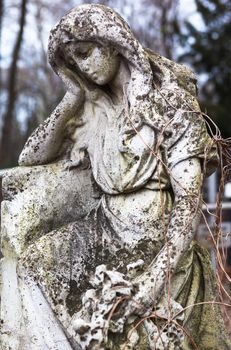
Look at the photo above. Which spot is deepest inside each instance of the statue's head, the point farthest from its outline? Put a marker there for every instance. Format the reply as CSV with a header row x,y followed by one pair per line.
x,y
93,39
92,24
96,62
98,24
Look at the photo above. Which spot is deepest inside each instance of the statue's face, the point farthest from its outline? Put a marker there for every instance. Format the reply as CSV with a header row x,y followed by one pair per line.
x,y
97,63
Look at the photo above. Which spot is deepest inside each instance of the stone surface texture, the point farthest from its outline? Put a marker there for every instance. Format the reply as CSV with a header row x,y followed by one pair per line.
x,y
98,220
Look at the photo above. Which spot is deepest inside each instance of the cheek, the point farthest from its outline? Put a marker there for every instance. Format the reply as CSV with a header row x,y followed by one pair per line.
x,y
100,62
104,63
106,67
83,65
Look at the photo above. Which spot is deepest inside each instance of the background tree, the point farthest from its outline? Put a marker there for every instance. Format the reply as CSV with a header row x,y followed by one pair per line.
x,y
8,118
208,50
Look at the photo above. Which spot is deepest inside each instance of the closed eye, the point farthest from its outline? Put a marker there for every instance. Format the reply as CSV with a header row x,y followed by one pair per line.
x,y
83,55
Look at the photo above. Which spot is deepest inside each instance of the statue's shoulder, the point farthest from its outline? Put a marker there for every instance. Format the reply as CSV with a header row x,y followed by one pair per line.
x,y
176,101
185,76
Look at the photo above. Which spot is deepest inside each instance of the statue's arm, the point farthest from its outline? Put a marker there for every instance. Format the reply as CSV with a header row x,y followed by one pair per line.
x,y
44,143
186,180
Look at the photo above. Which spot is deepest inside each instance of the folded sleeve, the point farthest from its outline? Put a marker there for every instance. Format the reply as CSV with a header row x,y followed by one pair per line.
x,y
190,139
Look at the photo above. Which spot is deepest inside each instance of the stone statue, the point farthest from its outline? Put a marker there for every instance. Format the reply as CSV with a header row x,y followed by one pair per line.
x,y
99,218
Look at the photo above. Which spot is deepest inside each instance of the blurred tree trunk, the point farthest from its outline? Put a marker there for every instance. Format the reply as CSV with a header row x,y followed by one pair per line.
x,y
168,23
1,20
161,27
8,118
1,15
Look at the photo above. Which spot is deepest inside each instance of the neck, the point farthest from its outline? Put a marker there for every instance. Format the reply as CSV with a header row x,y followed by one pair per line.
x,y
118,83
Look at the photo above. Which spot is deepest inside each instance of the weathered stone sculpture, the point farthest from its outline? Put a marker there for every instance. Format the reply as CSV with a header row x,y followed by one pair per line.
x,y
99,219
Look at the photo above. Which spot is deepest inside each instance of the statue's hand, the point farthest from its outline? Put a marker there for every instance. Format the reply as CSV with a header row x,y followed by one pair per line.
x,y
71,80
69,164
141,304
80,163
